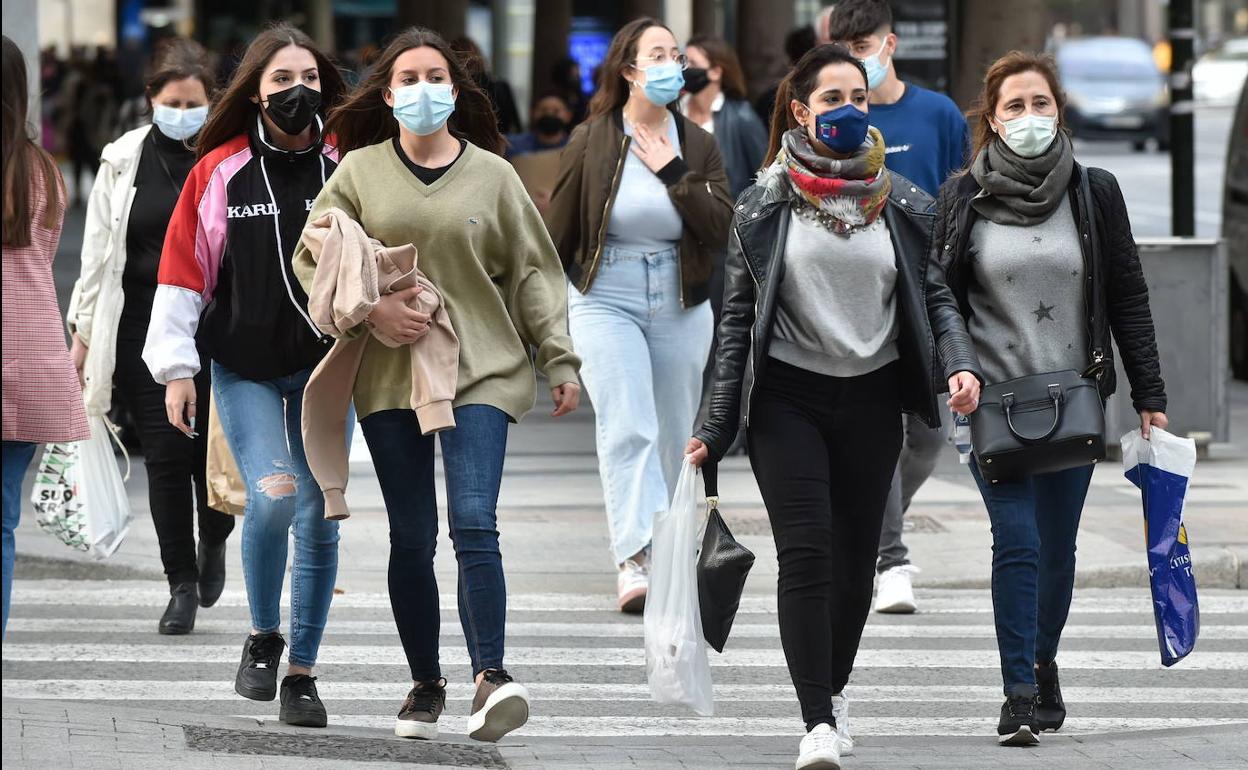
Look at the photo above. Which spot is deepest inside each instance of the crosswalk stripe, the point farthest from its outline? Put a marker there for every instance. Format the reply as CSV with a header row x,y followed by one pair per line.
x,y
150,594
604,656
626,628
163,690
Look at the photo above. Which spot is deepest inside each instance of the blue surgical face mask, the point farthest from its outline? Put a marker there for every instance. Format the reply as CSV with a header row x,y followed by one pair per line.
x,y
423,108
842,130
179,124
876,71
663,83
1030,135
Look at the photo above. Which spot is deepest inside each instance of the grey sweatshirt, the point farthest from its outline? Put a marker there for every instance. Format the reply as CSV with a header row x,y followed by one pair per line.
x,y
837,311
1027,301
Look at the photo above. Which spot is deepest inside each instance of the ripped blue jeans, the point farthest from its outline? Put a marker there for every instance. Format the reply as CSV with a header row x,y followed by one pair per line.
x,y
261,421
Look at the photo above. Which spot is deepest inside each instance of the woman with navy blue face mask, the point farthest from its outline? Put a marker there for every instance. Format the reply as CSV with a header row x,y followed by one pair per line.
x,y
423,165
639,211
824,341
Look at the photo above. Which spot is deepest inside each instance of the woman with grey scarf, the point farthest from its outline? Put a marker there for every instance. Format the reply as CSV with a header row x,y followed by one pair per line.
x,y
1014,240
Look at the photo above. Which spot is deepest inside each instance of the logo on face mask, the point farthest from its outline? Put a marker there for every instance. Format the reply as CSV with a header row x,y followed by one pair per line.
x,y
842,130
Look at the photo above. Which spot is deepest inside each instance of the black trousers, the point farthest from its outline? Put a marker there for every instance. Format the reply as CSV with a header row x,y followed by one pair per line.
x,y
823,450
176,465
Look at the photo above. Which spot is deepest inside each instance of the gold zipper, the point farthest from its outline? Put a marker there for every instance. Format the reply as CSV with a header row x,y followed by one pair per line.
x,y
606,216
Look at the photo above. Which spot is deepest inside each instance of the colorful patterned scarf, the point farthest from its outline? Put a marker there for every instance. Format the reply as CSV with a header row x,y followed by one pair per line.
x,y
844,194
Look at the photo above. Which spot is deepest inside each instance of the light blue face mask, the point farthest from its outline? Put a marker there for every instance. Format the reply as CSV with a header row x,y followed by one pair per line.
x,y
423,108
663,83
876,71
177,124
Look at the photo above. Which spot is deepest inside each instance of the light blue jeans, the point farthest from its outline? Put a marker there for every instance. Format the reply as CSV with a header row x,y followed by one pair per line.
x,y
643,356
261,421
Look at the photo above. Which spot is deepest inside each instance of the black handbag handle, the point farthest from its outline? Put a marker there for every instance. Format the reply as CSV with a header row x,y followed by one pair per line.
x,y
710,481
1055,394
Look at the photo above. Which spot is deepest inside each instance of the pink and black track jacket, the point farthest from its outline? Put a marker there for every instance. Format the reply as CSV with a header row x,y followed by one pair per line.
x,y
225,275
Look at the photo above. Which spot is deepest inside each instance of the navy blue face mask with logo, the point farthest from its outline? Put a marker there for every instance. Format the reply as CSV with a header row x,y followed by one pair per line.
x,y
842,130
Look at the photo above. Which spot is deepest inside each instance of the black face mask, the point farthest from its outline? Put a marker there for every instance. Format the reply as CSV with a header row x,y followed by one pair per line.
x,y
696,79
292,110
549,124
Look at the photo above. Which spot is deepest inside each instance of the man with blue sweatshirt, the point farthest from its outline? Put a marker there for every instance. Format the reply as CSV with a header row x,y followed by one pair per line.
x,y
927,140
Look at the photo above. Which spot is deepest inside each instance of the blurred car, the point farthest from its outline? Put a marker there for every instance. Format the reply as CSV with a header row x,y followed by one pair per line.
x,y
1235,235
1218,76
1115,91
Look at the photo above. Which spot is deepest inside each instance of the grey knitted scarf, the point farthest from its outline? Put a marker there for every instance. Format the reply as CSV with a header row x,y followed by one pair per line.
x,y
1018,190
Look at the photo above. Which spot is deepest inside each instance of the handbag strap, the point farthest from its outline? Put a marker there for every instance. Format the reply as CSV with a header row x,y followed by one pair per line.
x,y
115,434
1055,394
710,481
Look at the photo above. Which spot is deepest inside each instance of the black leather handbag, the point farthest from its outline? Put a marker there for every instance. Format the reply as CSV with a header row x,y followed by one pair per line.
x,y
723,565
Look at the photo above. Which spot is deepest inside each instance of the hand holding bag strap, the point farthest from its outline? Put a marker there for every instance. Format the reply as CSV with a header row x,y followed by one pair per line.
x,y
1055,395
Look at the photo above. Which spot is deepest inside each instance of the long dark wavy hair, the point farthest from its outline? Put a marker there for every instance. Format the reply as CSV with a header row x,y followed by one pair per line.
x,y
364,118
612,90
24,160
234,112
798,85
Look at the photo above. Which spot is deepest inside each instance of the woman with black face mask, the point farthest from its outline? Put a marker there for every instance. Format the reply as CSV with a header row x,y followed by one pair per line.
x,y
715,99
226,282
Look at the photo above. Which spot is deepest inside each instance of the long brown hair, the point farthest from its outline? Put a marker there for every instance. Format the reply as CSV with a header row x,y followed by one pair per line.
x,y
722,55
799,84
234,112
21,157
985,107
612,90
364,118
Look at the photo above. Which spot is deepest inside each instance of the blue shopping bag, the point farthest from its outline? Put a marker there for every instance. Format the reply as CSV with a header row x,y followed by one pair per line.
x,y
1161,467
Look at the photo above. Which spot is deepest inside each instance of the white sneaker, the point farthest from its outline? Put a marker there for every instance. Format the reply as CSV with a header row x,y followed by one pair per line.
x,y
894,593
820,749
632,584
840,710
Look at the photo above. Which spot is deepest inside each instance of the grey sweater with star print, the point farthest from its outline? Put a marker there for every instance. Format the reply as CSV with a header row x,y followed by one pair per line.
x,y
1027,302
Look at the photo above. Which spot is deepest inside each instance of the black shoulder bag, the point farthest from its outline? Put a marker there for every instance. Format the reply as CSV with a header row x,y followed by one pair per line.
x,y
723,565
1043,423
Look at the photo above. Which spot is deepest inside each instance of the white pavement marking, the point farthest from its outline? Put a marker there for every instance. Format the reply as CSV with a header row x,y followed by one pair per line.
x,y
569,657
625,628
161,690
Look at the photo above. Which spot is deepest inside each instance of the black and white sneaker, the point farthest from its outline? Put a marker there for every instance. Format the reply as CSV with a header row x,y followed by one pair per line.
x,y
418,718
257,672
1018,719
1050,708
301,704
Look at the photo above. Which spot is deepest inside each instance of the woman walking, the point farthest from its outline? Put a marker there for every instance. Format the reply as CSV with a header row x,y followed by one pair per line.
x,y
824,309
142,174
425,168
640,207
263,157
1015,237
42,398
715,99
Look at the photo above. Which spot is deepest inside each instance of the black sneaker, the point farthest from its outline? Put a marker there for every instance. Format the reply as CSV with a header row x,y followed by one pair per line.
x,y
301,705
1018,718
1050,708
419,716
257,673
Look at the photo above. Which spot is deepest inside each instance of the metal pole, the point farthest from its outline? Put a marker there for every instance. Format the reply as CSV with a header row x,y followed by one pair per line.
x,y
1182,151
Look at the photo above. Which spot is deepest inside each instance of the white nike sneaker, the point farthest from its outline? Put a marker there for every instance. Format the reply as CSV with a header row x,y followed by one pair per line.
x,y
840,710
894,593
820,749
632,584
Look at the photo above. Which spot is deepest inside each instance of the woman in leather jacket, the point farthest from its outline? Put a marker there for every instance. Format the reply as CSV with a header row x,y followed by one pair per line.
x,y
1043,268
825,339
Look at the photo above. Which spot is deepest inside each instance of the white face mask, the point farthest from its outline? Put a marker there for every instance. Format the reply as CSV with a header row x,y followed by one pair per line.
x,y
179,124
1029,135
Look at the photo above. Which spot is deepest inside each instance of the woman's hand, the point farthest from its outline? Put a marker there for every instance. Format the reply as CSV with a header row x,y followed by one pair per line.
x,y
963,393
78,352
567,398
655,151
696,452
393,318
1149,419
179,399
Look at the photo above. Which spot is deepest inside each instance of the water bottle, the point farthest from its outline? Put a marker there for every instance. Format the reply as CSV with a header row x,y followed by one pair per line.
x,y
962,437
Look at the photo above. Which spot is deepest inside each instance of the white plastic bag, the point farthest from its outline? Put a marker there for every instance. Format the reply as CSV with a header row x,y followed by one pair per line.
x,y
676,662
79,494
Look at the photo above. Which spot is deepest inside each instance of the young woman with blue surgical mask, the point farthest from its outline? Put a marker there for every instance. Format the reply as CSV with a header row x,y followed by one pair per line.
x,y
423,165
639,211
141,176
824,341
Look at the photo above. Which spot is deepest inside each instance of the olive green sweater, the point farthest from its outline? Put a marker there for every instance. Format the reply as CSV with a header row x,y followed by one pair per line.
x,y
482,242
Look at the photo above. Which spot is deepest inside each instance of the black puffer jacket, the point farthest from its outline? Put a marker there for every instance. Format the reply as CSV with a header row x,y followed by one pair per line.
x,y
753,271
1116,291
